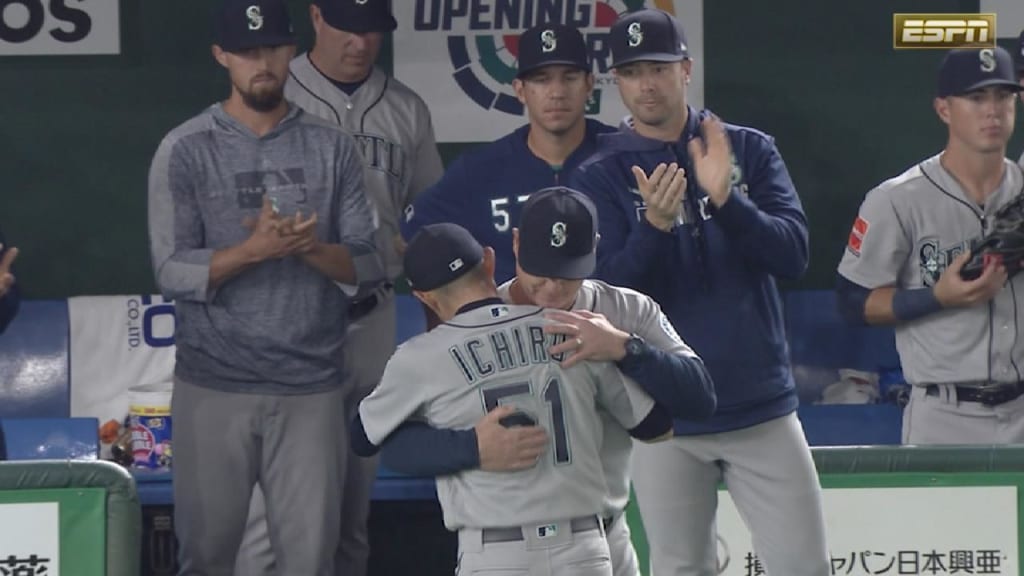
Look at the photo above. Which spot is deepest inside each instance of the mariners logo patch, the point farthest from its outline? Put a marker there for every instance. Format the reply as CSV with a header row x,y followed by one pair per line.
x,y
558,234
255,17
548,41
934,258
857,234
636,35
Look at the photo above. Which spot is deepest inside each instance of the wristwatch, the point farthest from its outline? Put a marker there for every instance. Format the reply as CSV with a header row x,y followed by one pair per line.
x,y
634,346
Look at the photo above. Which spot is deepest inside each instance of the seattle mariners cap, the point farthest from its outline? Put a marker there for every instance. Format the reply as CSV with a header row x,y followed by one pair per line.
x,y
647,35
440,254
558,234
245,24
551,44
358,16
968,70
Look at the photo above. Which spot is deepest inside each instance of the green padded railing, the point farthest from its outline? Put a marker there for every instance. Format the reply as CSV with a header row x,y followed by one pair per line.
x,y
874,459
123,511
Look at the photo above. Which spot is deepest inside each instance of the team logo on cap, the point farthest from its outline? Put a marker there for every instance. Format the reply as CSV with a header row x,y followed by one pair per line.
x,y
360,2
483,42
988,59
558,234
255,16
636,34
548,41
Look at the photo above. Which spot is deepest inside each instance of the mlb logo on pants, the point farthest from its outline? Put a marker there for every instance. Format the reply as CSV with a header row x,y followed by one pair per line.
x,y
547,531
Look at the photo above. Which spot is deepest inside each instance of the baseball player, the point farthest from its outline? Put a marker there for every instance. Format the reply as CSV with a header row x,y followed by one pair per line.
x,y
338,81
959,340
703,217
613,323
542,520
484,190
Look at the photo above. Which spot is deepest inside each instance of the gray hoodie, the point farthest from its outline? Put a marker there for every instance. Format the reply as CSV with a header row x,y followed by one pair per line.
x,y
277,327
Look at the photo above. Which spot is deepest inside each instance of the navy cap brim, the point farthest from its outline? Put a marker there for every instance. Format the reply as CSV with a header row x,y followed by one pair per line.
x,y
654,57
574,269
261,42
571,63
1014,86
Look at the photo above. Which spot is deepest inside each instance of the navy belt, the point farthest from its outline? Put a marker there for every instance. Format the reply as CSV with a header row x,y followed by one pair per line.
x,y
989,394
362,307
515,533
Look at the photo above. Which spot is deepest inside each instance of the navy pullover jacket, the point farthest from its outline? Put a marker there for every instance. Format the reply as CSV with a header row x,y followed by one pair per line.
x,y
714,273
484,190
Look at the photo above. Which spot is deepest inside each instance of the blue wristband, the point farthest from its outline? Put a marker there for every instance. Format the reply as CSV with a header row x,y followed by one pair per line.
x,y
912,304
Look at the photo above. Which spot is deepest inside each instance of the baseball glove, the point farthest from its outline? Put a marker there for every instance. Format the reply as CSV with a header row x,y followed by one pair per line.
x,y
1004,244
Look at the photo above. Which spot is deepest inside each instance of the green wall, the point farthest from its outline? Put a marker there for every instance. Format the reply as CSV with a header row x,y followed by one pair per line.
x,y
77,134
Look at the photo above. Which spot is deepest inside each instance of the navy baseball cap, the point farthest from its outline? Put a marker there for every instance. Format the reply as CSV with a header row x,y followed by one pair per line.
x,y
967,70
358,16
551,44
558,234
440,254
647,35
245,24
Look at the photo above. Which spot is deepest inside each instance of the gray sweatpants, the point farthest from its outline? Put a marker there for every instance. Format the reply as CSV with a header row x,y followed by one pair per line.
x,y
369,344
943,420
769,473
224,443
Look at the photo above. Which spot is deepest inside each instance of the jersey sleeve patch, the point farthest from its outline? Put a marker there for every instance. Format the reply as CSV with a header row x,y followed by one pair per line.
x,y
857,235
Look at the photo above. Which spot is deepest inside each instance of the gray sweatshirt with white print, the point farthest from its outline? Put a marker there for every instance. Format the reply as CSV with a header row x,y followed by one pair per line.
x,y
277,327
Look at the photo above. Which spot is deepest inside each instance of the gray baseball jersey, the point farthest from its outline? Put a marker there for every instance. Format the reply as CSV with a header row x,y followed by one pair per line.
x,y
497,354
907,232
632,312
391,125
1021,161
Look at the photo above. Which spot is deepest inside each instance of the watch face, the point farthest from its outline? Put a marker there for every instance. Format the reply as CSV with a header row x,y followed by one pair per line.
x,y
634,345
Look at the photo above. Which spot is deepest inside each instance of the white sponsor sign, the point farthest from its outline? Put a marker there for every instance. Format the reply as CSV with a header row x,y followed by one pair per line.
x,y
117,343
919,530
460,56
30,538
59,27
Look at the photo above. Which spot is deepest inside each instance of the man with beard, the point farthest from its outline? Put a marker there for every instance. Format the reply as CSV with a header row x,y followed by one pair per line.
x,y
257,214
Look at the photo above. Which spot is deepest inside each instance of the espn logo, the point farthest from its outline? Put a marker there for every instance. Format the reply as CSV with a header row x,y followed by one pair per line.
x,y
943,31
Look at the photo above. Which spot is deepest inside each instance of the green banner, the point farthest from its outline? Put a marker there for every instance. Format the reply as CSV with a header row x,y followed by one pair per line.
x,y
56,532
